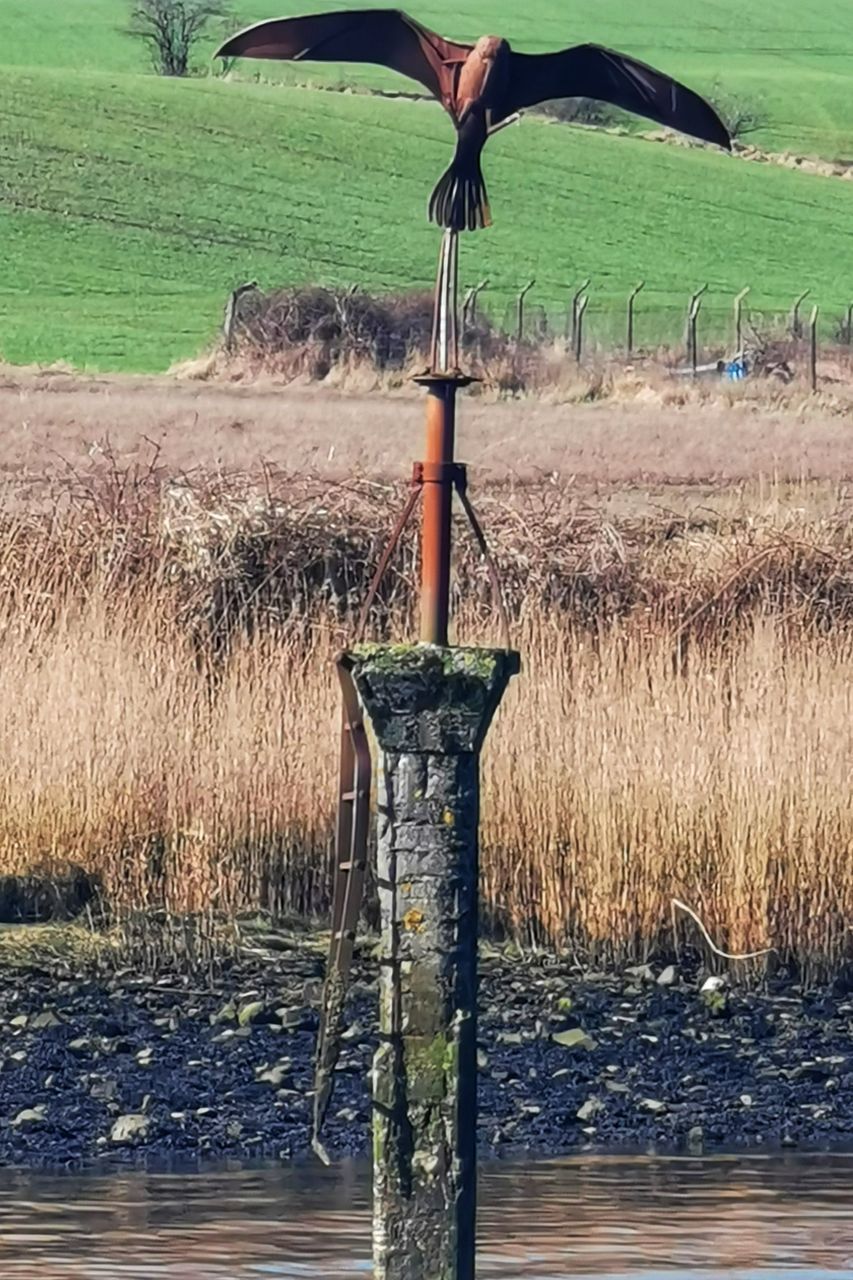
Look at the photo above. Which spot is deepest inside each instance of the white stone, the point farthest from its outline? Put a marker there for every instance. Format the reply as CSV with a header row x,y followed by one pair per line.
x,y
130,1127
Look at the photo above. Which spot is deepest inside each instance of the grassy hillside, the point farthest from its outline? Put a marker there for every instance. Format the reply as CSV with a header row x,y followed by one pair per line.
x,y
129,205
797,64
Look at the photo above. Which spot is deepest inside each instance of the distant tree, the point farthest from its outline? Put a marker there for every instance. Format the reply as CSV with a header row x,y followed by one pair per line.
x,y
172,28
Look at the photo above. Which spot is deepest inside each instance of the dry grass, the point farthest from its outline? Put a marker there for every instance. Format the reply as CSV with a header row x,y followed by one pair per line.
x,y
169,713
623,785
650,432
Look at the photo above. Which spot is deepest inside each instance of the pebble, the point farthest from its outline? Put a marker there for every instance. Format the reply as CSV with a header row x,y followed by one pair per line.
x,y
115,1073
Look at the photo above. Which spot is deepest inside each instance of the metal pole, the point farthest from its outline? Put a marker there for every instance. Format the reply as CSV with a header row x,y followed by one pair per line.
x,y
519,315
692,314
442,381
229,323
437,511
430,708
796,326
738,310
629,342
850,325
813,347
573,312
469,306
579,311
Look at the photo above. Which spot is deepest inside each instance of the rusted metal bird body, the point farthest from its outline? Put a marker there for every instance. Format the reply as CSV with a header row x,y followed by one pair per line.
x,y
479,85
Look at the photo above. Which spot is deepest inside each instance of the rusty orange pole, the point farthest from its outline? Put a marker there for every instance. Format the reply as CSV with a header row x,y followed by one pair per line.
x,y
437,479
437,471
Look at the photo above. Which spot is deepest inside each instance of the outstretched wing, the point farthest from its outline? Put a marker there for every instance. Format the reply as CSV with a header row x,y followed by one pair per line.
x,y
591,71
388,37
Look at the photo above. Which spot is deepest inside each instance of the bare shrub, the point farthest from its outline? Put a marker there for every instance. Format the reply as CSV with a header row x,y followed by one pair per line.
x,y
310,330
740,113
588,111
172,28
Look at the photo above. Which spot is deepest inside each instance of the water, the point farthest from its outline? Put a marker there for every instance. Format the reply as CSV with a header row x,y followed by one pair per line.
x,y
671,1219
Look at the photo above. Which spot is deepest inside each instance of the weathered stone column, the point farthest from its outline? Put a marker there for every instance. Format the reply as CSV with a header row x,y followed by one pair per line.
x,y
430,709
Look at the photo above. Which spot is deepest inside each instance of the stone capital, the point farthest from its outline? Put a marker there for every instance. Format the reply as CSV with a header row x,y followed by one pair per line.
x,y
423,699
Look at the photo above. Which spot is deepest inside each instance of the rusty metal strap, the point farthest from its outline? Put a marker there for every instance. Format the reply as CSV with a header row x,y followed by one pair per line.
x,y
439,473
351,833
351,862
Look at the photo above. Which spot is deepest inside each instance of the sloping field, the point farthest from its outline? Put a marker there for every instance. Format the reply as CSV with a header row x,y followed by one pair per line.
x,y
795,62
130,205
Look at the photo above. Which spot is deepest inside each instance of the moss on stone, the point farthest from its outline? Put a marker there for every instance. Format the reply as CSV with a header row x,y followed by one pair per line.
x,y
409,658
451,1066
470,662
426,1068
388,657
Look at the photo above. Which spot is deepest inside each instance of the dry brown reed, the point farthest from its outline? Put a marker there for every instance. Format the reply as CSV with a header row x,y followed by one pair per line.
x,y
682,728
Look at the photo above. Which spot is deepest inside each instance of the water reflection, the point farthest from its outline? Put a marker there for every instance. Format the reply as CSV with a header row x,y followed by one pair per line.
x,y
609,1218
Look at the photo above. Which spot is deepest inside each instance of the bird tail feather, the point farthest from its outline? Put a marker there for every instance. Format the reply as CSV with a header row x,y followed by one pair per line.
x,y
460,200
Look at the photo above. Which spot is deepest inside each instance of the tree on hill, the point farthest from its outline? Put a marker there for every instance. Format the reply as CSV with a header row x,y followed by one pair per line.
x,y
172,28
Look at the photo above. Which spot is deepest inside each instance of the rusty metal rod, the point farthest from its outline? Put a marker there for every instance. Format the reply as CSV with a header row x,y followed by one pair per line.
x,y
480,538
385,558
437,510
437,468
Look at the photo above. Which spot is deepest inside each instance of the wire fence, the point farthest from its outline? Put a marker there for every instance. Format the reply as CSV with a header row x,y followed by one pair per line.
x,y
322,325
591,323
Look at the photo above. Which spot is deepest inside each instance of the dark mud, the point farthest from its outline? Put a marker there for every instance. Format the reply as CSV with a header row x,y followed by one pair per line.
x,y
134,1069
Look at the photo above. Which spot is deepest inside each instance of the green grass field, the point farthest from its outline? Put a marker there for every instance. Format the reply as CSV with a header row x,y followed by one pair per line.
x,y
130,205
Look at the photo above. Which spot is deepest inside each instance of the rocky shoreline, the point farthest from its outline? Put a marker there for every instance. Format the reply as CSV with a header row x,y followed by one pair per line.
x,y
164,1070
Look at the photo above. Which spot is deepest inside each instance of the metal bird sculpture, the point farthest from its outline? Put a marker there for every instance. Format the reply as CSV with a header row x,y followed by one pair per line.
x,y
479,85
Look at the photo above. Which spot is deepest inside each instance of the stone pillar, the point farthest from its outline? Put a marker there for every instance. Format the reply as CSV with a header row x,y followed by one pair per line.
x,y
429,708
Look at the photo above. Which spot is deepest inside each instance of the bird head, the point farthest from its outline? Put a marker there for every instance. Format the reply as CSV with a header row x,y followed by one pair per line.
x,y
488,47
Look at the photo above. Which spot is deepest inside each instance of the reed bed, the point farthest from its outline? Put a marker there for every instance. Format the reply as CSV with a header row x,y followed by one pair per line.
x,y
682,728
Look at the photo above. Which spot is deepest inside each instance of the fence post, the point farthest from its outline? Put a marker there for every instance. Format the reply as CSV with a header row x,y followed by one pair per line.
x,y
580,308
692,315
739,319
572,318
813,347
629,339
469,306
850,324
229,322
519,315
796,326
